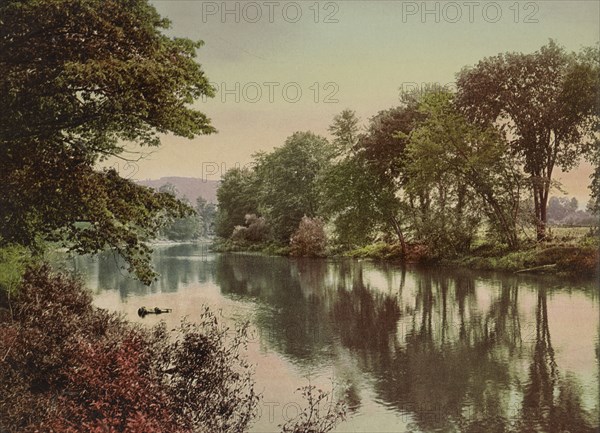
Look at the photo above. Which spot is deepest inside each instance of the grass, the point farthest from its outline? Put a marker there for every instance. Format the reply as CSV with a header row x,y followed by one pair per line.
x,y
229,246
378,251
570,251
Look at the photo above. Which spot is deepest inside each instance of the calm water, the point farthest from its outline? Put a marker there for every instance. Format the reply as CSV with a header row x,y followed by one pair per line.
x,y
417,350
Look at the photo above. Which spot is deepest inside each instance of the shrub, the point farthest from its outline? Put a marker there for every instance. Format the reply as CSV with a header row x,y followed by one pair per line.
x,y
68,366
310,239
321,414
255,231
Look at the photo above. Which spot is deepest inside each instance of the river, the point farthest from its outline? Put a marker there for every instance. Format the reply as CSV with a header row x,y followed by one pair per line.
x,y
410,349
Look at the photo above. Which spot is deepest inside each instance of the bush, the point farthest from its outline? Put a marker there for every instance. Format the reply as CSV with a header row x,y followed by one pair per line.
x,y
255,231
310,239
67,366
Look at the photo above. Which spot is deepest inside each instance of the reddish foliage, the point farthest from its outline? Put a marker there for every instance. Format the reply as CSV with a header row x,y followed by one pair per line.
x,y
309,239
66,366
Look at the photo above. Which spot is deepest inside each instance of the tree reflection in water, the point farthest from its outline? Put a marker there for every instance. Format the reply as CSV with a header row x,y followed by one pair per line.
x,y
449,351
442,360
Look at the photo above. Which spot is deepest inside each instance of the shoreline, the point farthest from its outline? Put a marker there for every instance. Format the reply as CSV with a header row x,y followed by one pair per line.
x,y
561,260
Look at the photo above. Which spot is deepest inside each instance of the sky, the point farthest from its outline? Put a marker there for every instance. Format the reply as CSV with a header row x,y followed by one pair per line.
x,y
284,66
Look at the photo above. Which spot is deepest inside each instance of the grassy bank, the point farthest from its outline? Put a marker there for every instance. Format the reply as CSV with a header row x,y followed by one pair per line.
x,y
230,246
566,260
569,252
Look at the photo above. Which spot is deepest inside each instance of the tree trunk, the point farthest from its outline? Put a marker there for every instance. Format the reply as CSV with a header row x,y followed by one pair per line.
x,y
541,232
540,199
398,230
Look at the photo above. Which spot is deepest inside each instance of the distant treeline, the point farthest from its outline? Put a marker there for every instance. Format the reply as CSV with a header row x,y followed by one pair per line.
x,y
199,224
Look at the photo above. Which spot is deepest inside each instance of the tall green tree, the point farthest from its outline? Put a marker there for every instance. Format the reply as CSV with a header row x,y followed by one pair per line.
x,y
237,196
447,147
382,151
545,103
383,146
359,202
81,81
359,199
345,130
289,178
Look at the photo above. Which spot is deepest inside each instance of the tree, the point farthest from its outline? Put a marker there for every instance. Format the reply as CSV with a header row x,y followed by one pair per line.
x,y
545,104
593,205
182,228
236,198
382,152
288,179
346,187
207,212
358,201
79,82
447,150
345,130
382,146
256,230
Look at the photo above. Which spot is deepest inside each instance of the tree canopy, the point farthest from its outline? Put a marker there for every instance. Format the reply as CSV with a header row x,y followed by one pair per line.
x,y
544,102
447,151
288,179
81,81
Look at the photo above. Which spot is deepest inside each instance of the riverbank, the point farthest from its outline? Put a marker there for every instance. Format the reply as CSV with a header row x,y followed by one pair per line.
x,y
564,260
578,257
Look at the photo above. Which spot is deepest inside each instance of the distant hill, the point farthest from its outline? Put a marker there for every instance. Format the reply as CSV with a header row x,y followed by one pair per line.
x,y
188,187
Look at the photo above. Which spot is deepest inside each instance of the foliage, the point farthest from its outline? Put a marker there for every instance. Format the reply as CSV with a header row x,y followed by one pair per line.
x,y
567,258
358,198
345,130
180,229
445,231
545,103
14,260
379,250
353,202
469,168
288,179
207,213
68,366
360,188
255,231
385,141
321,415
79,81
207,379
594,204
237,197
310,239
565,211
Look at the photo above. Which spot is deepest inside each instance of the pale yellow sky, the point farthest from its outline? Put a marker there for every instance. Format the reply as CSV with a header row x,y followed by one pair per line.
x,y
279,71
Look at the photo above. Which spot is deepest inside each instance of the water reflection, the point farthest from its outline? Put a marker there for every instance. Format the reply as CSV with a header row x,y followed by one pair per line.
x,y
446,351
177,265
